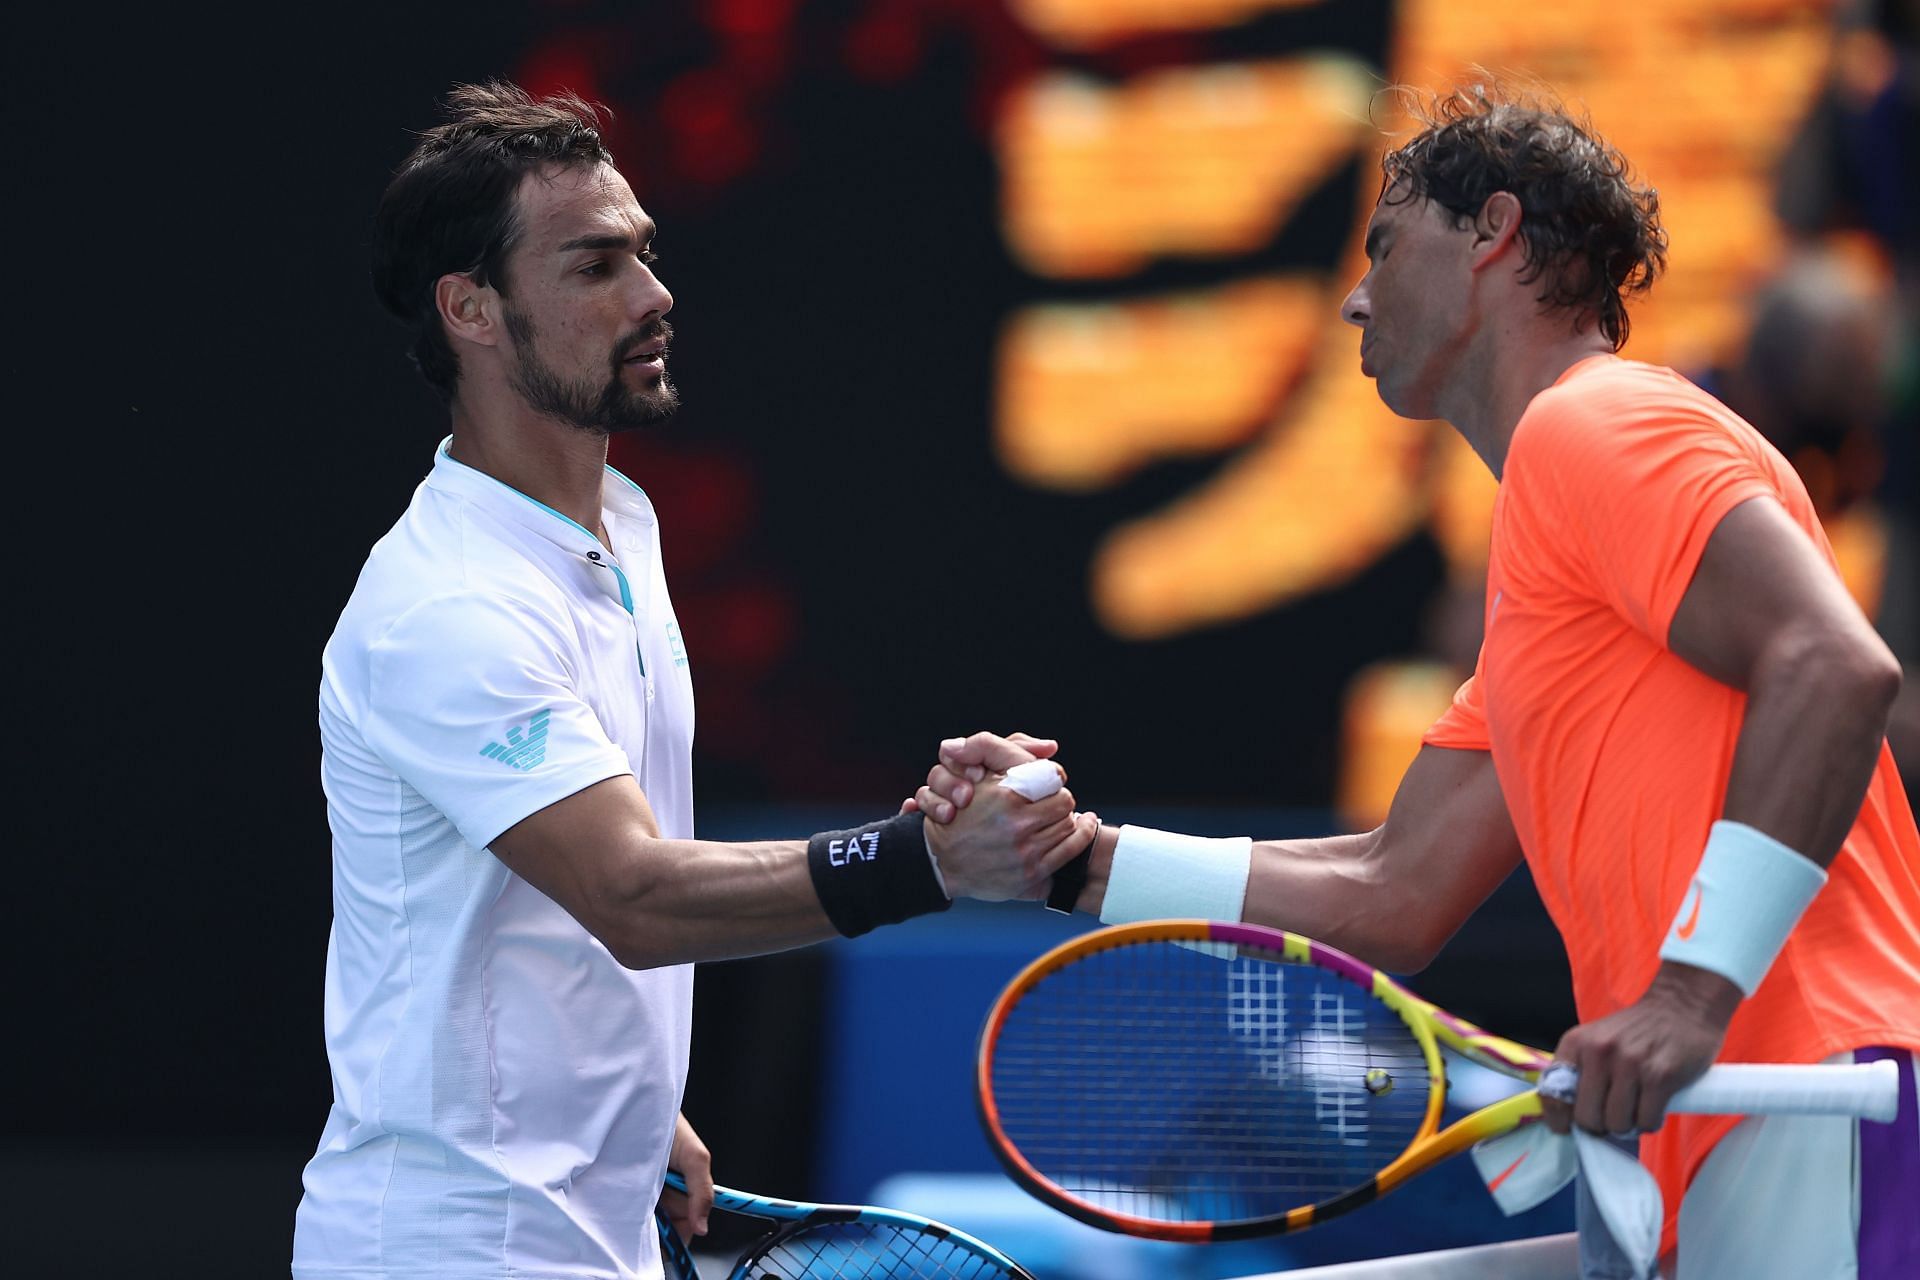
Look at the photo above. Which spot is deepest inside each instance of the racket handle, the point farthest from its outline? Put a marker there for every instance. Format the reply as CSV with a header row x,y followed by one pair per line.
x,y
1870,1090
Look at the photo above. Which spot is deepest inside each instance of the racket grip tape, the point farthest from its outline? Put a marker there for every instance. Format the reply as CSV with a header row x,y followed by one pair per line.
x,y
1869,1090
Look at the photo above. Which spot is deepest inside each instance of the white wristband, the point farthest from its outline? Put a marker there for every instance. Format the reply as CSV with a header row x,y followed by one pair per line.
x,y
1747,895
1160,875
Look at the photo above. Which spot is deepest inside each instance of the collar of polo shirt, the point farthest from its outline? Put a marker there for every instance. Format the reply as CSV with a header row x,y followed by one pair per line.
x,y
624,498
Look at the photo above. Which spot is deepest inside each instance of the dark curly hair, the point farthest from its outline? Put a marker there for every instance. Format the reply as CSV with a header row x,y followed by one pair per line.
x,y
450,206
1591,237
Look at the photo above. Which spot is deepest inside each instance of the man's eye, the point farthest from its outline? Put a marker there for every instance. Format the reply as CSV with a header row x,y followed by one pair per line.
x,y
594,269
648,257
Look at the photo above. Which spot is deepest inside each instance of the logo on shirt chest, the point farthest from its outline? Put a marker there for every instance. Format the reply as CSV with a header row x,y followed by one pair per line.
x,y
525,747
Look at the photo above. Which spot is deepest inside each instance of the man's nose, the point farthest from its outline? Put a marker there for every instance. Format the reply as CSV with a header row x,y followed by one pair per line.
x,y
650,299
1357,308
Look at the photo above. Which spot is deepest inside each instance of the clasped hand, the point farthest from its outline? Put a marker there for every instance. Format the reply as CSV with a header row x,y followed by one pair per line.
x,y
992,843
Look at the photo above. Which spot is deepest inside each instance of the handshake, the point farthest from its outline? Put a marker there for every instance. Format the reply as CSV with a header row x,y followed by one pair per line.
x,y
989,840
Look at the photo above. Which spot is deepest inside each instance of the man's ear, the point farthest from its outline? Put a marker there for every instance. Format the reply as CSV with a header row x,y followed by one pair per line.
x,y
470,311
1496,228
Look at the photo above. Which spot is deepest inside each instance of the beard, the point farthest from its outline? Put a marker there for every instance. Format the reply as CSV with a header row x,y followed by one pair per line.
x,y
607,409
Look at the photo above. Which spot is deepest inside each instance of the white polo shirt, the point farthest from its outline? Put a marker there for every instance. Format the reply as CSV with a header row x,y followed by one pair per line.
x,y
504,1091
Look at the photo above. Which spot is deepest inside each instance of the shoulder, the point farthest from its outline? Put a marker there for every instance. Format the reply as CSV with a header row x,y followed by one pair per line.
x,y
446,554
458,623
1614,414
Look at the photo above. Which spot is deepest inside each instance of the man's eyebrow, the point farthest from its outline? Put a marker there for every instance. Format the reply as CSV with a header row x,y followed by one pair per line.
x,y
608,240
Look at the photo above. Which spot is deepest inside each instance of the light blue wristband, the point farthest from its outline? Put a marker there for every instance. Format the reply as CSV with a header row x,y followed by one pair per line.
x,y
1747,895
1162,875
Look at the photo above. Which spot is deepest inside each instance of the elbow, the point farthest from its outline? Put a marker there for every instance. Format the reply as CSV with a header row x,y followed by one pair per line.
x,y
1855,673
634,957
1410,950
628,924
1403,929
1846,670
1886,680
625,943
1874,676
637,942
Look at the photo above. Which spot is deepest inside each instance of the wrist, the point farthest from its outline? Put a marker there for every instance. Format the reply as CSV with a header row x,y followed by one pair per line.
x,y
881,873
1070,880
1746,896
1099,865
1706,995
1163,875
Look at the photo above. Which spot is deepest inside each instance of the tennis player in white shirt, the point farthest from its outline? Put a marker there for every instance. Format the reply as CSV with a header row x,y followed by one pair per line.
x,y
506,716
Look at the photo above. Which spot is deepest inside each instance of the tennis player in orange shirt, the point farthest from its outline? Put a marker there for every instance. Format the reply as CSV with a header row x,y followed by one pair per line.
x,y
1678,717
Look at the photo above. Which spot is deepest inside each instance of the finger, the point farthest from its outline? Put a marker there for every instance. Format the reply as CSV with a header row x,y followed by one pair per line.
x,y
1622,1107
700,1202
1077,836
1590,1103
674,1205
1035,780
1039,748
1036,844
910,805
1652,1112
988,750
1032,818
950,786
936,809
1558,1113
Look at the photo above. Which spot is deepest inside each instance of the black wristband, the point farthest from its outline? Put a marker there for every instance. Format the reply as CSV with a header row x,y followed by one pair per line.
x,y
877,874
1069,880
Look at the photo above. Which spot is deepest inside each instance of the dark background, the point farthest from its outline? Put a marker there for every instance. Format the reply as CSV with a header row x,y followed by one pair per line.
x,y
211,421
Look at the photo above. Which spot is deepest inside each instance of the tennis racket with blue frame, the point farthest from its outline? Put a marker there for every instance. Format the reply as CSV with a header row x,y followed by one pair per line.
x,y
841,1242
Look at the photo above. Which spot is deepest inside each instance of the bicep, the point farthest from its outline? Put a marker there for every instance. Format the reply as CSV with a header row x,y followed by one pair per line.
x,y
1447,844
1448,833
587,852
1760,581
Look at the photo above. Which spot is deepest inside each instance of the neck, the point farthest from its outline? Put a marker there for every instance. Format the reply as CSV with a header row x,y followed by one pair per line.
x,y
550,461
1512,367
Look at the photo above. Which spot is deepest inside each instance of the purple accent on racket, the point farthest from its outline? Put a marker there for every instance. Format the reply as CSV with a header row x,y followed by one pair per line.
x,y
1342,963
1240,935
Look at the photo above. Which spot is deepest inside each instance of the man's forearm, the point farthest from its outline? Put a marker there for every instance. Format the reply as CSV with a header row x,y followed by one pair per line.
x,y
681,901
1331,888
1392,896
1805,755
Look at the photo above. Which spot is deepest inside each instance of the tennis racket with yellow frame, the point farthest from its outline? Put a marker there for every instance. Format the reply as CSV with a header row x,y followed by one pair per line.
x,y
1195,1081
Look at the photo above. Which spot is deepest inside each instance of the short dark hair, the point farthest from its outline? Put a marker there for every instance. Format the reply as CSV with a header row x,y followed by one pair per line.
x,y
450,206
1589,234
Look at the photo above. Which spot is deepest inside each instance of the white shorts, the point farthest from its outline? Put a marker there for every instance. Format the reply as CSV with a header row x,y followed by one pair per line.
x,y
1797,1197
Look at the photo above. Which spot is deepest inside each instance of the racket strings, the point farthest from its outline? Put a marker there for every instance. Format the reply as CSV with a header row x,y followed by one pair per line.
x,y
1155,1080
870,1251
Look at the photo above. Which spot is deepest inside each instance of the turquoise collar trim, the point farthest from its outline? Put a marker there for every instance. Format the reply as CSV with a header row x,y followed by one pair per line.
x,y
479,484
